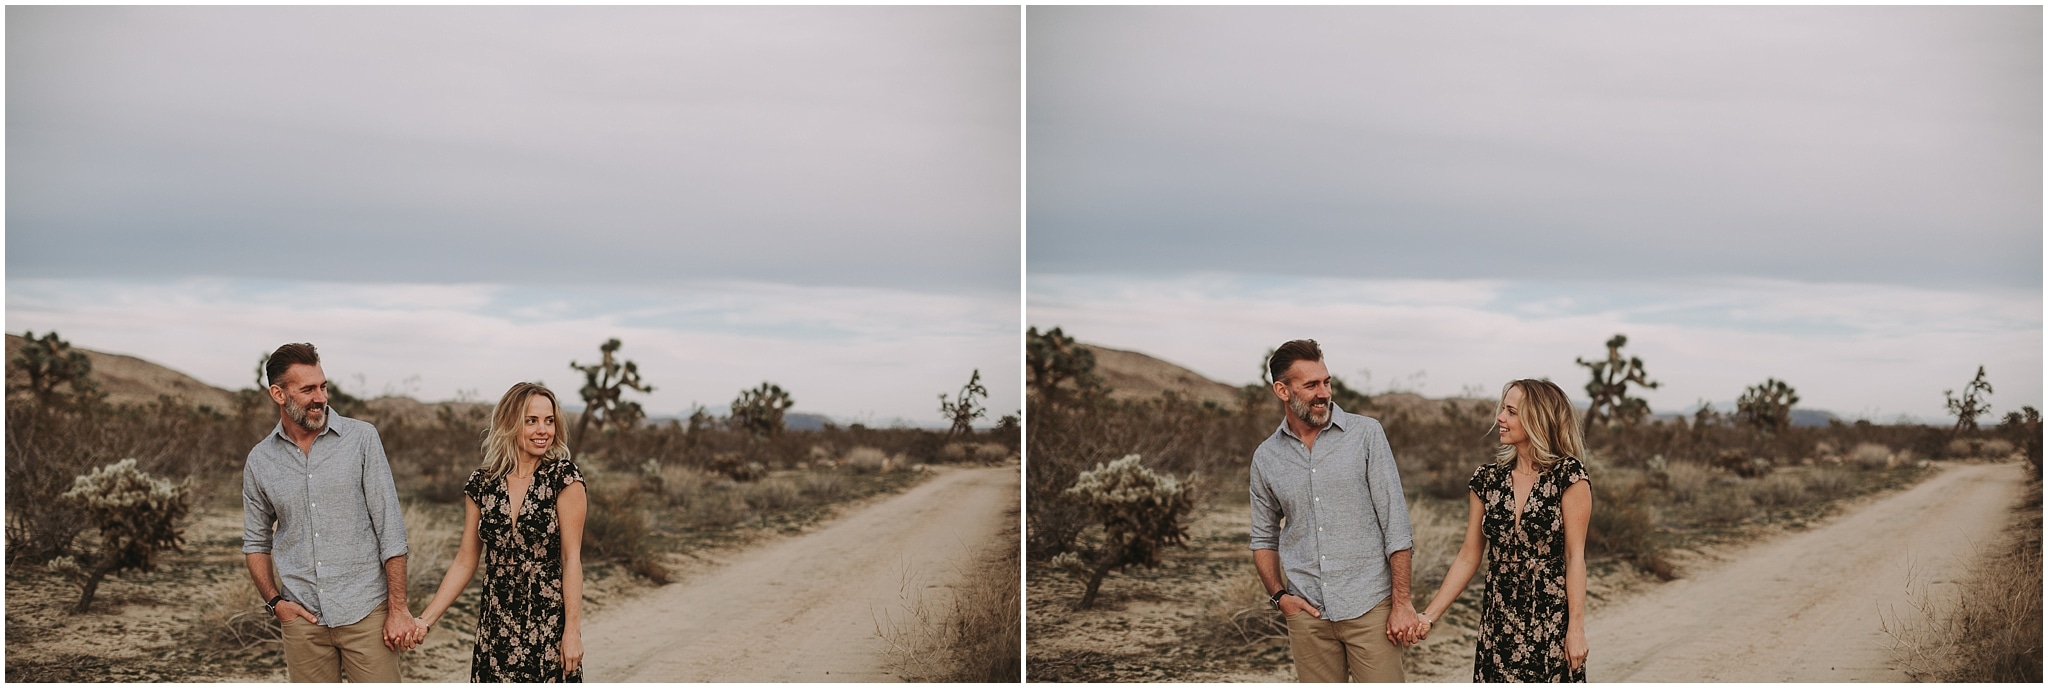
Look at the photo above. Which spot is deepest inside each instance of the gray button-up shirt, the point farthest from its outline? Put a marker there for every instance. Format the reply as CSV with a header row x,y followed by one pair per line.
x,y
329,520
1343,510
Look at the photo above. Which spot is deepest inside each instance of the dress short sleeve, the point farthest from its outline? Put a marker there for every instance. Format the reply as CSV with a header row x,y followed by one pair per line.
x,y
475,487
1480,481
1572,471
566,473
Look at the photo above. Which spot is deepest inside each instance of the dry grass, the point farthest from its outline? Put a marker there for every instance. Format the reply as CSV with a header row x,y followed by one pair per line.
x,y
231,615
1993,633
973,635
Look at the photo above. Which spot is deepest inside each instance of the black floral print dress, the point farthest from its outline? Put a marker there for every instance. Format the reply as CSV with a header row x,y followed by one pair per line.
x,y
519,630
1523,616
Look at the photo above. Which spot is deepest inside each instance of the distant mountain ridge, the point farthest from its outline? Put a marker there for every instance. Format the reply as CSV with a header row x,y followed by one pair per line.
x,y
131,380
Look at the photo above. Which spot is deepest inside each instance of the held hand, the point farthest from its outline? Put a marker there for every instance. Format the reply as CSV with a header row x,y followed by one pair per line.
x,y
1402,625
287,609
398,631
1575,649
572,652
1421,631
420,628
1291,604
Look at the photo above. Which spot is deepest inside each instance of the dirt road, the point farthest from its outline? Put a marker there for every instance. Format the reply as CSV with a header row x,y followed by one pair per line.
x,y
1810,606
806,608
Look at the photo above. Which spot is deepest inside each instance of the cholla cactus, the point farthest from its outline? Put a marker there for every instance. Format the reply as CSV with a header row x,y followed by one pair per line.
x,y
137,515
1141,512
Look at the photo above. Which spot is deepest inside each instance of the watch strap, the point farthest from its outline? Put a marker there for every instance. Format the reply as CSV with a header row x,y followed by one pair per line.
x,y
271,603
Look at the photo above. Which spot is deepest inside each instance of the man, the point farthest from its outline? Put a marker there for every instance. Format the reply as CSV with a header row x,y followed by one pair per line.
x,y
1346,541
319,504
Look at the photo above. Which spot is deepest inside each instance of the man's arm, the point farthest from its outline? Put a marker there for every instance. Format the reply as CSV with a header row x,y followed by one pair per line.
x,y
1268,563
1391,508
387,522
1403,625
259,570
398,626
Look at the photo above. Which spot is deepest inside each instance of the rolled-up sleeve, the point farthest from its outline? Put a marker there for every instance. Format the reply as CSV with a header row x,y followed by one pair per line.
x,y
257,513
1265,512
1388,504
380,494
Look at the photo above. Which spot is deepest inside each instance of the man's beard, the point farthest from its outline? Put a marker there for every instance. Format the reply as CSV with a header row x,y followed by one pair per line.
x,y
1307,414
302,419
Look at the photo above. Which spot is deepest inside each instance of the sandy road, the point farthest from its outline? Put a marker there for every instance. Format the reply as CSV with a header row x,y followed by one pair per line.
x,y
805,608
1810,606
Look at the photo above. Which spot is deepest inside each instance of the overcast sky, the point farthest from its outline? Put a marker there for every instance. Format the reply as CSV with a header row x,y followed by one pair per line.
x,y
1845,197
734,186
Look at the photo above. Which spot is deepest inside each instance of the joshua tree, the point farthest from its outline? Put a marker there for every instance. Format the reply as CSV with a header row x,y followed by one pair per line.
x,y
50,363
1768,406
1971,405
1141,512
1609,387
966,410
759,410
603,382
137,515
1054,358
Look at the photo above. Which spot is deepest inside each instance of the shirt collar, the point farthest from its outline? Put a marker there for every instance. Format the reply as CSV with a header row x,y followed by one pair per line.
x,y
1336,422
278,430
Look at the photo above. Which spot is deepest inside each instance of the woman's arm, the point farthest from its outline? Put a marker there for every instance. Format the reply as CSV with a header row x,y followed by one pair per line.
x,y
1464,567
460,571
1578,511
572,505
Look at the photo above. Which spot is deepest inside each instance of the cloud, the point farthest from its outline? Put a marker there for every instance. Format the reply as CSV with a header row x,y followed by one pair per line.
x,y
869,353
1872,351
822,146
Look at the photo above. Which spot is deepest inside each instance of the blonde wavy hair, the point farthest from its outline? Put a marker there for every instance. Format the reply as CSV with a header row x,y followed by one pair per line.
x,y
501,442
1547,415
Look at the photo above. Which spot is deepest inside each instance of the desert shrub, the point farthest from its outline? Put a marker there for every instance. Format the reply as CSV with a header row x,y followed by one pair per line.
x,y
137,515
1966,447
1870,456
971,637
1623,524
431,545
1740,462
822,488
1993,632
721,506
866,460
231,615
1684,481
616,528
1779,491
1722,506
1828,484
772,495
1141,512
1243,613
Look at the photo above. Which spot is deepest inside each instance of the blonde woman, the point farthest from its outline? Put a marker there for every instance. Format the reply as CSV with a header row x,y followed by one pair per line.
x,y
1529,511
523,517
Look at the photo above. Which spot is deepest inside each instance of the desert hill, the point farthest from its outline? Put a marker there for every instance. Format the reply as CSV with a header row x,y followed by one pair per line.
x,y
1133,376
131,380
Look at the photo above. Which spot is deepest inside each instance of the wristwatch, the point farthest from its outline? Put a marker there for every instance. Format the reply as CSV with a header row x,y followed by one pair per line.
x,y
1275,600
271,604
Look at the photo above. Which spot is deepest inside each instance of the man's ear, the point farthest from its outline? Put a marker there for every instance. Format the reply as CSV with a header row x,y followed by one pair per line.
x,y
277,394
1280,389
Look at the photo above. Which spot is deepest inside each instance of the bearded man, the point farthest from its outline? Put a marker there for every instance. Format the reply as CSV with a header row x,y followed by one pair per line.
x,y
1345,545
319,505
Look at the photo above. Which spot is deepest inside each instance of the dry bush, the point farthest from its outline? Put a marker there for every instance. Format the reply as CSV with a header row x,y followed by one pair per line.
x,y
1439,531
1992,632
1871,456
232,616
1828,484
867,460
1779,491
823,488
973,636
617,528
721,506
1726,504
776,494
1624,524
1243,613
1684,481
432,541
1978,447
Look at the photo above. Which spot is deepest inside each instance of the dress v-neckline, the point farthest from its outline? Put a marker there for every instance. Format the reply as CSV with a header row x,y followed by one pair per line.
x,y
518,506
1520,504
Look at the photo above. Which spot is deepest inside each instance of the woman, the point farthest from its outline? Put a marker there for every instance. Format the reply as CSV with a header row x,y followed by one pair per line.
x,y
1530,508
524,518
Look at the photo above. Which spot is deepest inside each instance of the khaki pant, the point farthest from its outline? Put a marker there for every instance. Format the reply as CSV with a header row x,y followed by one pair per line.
x,y
1325,650
318,654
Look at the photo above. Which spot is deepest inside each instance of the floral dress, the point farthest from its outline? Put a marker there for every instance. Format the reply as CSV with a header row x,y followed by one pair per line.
x,y
1523,617
519,630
